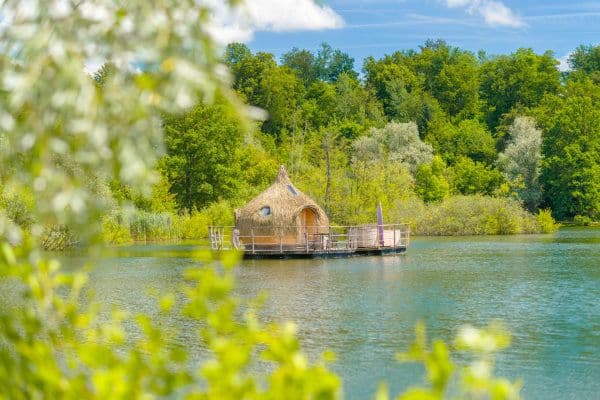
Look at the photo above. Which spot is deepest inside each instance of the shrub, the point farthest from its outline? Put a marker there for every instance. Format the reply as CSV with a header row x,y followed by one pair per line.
x,y
58,238
582,220
18,210
115,233
470,215
431,184
546,222
193,226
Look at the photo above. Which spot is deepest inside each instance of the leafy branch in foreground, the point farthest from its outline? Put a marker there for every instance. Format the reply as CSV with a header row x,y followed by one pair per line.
x,y
475,380
53,347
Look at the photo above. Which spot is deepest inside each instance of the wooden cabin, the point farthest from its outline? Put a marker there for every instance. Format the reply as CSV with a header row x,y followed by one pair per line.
x,y
283,222
281,216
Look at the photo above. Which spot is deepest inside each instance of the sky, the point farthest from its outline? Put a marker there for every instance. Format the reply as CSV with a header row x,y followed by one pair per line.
x,y
365,28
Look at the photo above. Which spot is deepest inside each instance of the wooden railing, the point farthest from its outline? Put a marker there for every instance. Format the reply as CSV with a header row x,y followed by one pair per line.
x,y
310,239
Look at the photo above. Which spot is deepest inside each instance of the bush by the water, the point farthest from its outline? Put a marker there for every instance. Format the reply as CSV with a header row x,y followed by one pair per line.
x,y
471,215
138,225
456,215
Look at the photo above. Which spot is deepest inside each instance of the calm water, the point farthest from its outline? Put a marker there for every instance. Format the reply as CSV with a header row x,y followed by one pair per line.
x,y
546,288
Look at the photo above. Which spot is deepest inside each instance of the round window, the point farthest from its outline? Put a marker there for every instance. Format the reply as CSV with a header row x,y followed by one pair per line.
x,y
265,211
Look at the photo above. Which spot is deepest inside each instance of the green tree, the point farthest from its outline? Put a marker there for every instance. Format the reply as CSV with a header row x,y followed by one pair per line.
x,y
520,78
469,138
395,143
456,87
302,62
472,177
202,161
281,92
400,90
451,75
521,161
355,103
586,60
571,150
248,71
431,184
332,63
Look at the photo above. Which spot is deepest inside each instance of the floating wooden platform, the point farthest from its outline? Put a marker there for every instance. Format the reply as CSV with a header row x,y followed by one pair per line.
x,y
323,254
313,242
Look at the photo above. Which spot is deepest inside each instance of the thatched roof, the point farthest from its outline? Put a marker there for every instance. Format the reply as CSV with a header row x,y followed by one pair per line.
x,y
284,202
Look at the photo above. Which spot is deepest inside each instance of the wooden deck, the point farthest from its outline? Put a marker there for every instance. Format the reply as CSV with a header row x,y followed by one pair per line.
x,y
330,242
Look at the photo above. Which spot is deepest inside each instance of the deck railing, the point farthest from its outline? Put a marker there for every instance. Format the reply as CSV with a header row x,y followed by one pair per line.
x,y
310,239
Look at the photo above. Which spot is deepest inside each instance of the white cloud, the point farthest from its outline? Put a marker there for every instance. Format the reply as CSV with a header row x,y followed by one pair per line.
x,y
269,15
563,65
494,13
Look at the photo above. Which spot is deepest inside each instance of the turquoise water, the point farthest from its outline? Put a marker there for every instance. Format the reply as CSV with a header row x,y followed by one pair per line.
x,y
545,288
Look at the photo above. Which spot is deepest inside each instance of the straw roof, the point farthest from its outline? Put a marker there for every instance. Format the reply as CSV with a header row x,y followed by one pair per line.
x,y
278,206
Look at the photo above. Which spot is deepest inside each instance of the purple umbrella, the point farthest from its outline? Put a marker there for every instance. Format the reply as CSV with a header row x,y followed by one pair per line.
x,y
380,224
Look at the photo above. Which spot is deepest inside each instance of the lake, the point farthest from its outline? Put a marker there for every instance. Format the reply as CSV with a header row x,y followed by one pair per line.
x,y
545,288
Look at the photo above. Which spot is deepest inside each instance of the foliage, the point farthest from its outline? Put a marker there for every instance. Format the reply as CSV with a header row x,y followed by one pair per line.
x,y
431,184
586,60
571,149
521,161
476,380
115,233
331,64
303,64
134,225
470,215
469,139
472,177
394,143
78,354
202,154
521,78
448,93
546,222
582,220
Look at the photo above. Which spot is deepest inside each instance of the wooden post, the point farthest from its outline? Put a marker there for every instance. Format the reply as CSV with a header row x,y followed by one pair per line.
x,y
252,233
394,245
306,239
281,241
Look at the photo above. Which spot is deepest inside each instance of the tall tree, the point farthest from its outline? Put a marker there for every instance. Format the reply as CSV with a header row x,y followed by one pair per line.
x,y
585,60
431,184
281,93
202,160
521,161
470,138
571,150
396,143
302,62
520,78
332,63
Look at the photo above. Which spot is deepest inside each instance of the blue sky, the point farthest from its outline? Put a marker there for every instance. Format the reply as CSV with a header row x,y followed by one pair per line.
x,y
376,27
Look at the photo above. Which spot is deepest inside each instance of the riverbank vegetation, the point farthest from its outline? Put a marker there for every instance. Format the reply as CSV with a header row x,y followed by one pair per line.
x,y
437,128
428,132
453,142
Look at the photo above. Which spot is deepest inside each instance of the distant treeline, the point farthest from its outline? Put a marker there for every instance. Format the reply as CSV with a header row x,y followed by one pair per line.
x,y
428,126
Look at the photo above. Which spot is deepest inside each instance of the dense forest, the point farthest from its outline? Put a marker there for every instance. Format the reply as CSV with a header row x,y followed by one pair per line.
x,y
448,140
453,142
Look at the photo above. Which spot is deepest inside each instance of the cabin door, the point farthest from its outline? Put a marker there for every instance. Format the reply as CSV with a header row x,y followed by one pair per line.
x,y
308,224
